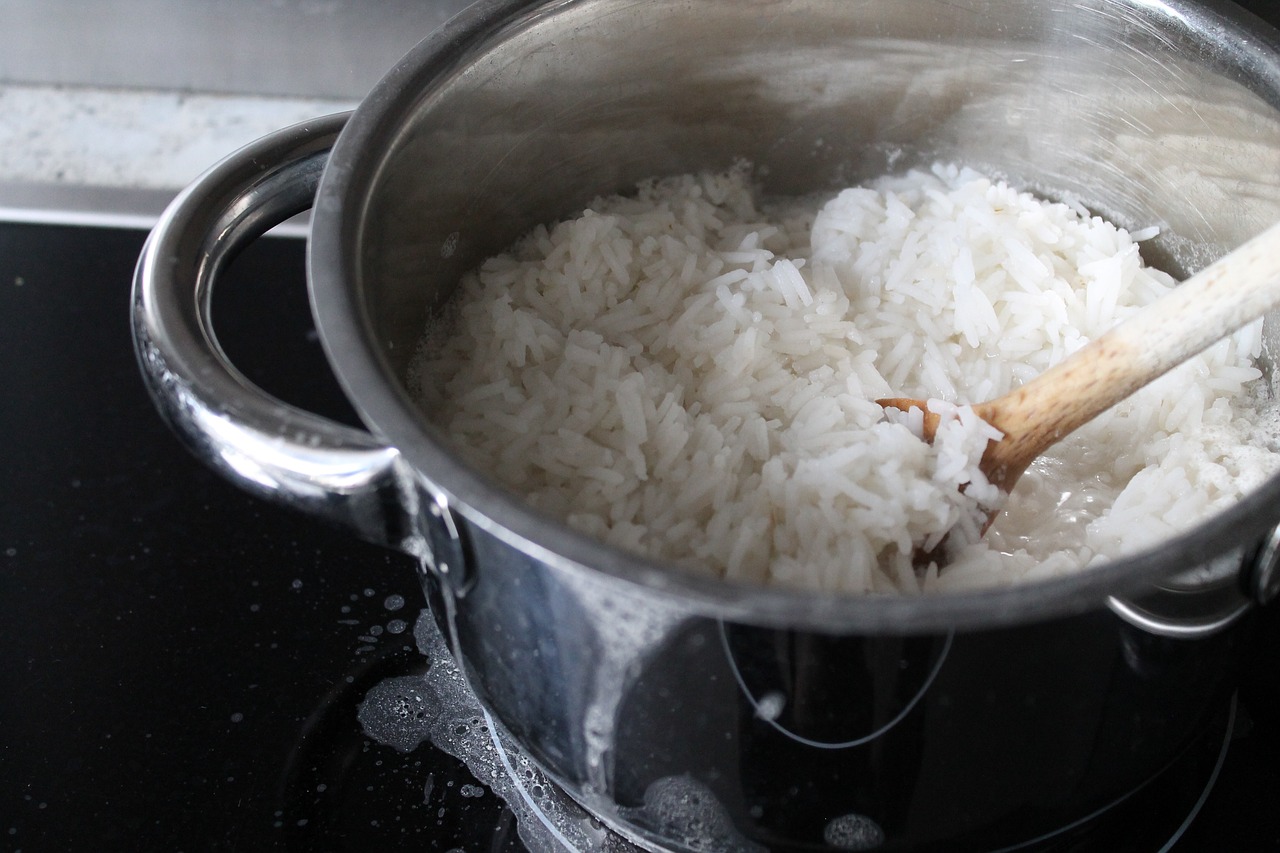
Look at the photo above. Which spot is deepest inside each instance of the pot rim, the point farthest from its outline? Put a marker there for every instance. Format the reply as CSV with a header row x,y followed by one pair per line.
x,y
347,336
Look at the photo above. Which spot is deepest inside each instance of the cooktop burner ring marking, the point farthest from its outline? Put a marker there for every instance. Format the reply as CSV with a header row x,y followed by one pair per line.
x,y
848,744
1213,779
1195,809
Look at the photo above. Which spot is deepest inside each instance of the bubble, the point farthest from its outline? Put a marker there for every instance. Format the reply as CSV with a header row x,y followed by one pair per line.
x,y
853,832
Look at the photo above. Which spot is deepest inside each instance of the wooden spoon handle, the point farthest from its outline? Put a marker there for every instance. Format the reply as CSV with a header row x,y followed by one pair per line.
x,y
1238,288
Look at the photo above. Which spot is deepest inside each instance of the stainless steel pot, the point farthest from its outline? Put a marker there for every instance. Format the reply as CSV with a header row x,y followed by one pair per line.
x,y
697,715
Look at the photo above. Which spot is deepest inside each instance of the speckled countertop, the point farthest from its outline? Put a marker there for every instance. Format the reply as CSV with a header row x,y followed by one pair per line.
x,y
115,156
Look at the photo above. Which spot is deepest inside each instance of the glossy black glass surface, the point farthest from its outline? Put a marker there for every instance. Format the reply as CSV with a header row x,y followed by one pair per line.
x,y
184,664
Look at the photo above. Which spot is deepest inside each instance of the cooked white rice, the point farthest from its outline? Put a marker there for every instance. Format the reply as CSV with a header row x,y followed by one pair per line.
x,y
688,375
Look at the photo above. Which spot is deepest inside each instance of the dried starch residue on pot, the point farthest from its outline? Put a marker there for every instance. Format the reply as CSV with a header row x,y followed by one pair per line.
x,y
690,374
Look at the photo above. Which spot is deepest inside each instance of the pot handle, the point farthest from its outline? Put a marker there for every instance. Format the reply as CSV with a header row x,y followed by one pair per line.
x,y
1195,604
273,450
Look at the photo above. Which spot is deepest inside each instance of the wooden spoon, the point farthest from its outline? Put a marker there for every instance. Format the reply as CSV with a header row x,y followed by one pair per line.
x,y
1213,303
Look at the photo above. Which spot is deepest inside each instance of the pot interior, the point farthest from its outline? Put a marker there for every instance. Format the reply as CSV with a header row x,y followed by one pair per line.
x,y
1149,112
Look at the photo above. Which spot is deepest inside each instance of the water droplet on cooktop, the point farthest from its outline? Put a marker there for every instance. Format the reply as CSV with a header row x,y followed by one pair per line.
x,y
682,810
853,832
395,712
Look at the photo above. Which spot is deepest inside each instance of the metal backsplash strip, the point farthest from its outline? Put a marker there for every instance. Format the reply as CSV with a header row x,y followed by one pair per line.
x,y
296,48
111,108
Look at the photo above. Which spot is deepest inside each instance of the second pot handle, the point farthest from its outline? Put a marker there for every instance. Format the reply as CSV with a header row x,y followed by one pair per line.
x,y
262,444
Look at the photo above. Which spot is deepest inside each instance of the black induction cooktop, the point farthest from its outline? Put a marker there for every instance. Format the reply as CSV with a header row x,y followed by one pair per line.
x,y
185,665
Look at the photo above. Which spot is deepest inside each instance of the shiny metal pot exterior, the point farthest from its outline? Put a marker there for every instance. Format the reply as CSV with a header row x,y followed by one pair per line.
x,y
691,714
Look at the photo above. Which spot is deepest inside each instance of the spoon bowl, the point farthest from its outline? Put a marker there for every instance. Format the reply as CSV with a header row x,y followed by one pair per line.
x,y
1220,299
